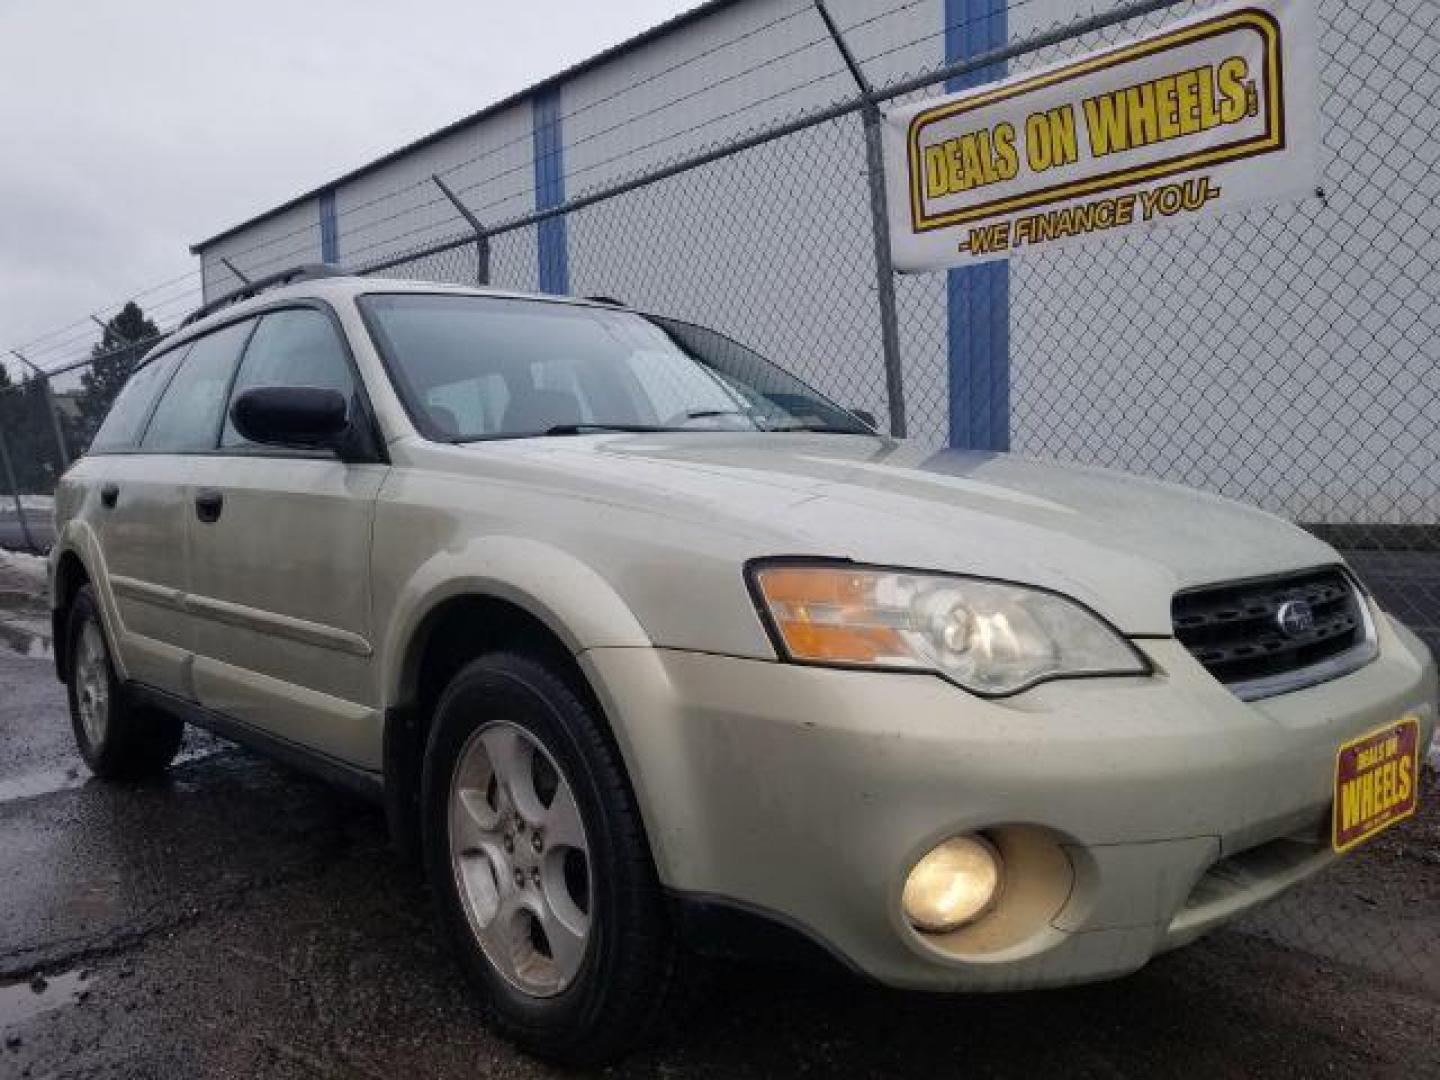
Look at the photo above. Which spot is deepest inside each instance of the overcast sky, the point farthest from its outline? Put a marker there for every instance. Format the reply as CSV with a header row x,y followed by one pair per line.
x,y
129,130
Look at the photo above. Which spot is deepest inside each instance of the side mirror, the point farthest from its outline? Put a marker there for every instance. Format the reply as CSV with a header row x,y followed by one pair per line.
x,y
866,417
295,416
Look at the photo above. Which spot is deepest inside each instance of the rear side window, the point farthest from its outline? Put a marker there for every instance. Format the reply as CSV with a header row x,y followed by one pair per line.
x,y
188,416
121,428
294,347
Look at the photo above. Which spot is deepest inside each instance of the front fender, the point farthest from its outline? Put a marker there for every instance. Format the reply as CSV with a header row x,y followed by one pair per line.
x,y
568,596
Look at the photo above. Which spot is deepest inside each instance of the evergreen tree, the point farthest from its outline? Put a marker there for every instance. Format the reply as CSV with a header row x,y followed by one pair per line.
x,y
127,337
29,437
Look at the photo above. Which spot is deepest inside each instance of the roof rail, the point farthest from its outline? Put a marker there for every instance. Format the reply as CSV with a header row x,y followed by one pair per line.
x,y
610,300
307,272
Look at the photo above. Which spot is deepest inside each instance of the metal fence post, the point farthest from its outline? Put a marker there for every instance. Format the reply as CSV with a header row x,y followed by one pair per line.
x,y
15,494
55,425
482,238
885,273
234,270
60,445
880,229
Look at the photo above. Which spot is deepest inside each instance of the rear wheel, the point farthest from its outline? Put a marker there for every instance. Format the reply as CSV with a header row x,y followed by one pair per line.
x,y
539,864
117,740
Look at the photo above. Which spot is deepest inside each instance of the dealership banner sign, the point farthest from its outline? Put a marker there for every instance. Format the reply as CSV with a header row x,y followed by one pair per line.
x,y
1209,114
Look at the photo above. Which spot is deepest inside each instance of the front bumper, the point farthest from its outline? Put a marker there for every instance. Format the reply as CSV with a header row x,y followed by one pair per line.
x,y
1134,813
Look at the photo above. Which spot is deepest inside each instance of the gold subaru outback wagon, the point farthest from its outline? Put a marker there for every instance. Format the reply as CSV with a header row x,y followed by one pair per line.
x,y
647,646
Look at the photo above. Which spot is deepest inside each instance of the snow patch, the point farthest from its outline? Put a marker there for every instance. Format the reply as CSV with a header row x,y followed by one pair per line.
x,y
24,564
41,504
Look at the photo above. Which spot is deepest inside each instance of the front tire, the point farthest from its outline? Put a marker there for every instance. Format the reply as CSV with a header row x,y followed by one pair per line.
x,y
117,740
539,864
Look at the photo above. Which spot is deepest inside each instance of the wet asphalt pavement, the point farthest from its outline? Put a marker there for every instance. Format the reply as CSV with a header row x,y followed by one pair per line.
x,y
240,920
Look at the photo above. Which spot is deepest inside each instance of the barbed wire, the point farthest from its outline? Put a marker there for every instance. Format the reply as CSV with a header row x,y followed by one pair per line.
x,y
571,145
42,345
806,8
84,332
310,229
390,243
47,346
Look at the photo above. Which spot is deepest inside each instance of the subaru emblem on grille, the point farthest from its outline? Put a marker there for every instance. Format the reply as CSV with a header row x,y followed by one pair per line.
x,y
1295,618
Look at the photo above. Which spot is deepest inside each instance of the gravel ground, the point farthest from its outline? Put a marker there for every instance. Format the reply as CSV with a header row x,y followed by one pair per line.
x,y
241,920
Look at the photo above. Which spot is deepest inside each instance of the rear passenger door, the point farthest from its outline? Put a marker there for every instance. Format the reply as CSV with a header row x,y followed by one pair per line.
x,y
280,558
134,503
149,530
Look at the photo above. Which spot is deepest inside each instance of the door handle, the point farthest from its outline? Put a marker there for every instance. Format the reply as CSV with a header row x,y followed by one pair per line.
x,y
109,495
208,504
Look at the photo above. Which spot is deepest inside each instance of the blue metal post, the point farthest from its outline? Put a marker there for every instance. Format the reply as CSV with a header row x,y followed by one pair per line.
x,y
978,297
329,228
549,155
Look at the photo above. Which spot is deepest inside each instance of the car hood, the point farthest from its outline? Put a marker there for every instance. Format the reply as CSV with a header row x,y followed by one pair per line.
x,y
1119,543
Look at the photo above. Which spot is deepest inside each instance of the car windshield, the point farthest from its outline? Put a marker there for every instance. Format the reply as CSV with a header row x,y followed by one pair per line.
x,y
480,367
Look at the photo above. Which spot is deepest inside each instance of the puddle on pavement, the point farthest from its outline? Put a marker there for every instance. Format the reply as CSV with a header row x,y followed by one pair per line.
x,y
26,642
49,781
22,1001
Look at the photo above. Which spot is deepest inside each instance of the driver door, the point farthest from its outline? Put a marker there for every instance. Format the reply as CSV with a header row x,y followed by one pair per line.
x,y
280,555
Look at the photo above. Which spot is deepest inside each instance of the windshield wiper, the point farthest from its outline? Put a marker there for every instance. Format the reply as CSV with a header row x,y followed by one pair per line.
x,y
823,429
559,429
599,427
706,414
586,429
762,424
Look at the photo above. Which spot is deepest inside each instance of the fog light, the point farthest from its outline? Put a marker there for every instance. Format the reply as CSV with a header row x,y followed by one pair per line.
x,y
954,884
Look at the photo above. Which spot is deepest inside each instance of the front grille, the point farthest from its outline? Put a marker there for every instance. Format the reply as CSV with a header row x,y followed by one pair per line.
x,y
1235,631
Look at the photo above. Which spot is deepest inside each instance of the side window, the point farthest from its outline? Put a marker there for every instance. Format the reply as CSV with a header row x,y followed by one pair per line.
x,y
188,416
294,347
121,427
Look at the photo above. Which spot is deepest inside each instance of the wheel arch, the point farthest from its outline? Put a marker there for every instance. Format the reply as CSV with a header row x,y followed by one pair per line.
x,y
572,601
70,575
502,594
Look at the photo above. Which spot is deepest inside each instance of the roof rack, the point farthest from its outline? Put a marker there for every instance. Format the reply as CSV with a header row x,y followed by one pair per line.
x,y
306,272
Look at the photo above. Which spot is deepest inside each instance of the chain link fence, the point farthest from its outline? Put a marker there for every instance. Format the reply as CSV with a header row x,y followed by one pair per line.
x,y
1286,356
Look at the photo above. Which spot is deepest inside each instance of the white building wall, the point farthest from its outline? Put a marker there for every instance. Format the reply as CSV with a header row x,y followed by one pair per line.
x,y
295,231
398,208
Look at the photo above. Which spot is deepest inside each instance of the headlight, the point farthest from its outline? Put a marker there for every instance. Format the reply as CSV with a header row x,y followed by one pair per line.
x,y
991,637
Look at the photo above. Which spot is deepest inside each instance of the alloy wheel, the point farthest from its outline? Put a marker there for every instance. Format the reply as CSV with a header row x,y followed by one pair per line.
x,y
520,858
92,683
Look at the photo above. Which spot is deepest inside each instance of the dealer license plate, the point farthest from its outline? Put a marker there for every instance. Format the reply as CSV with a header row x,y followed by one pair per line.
x,y
1376,782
